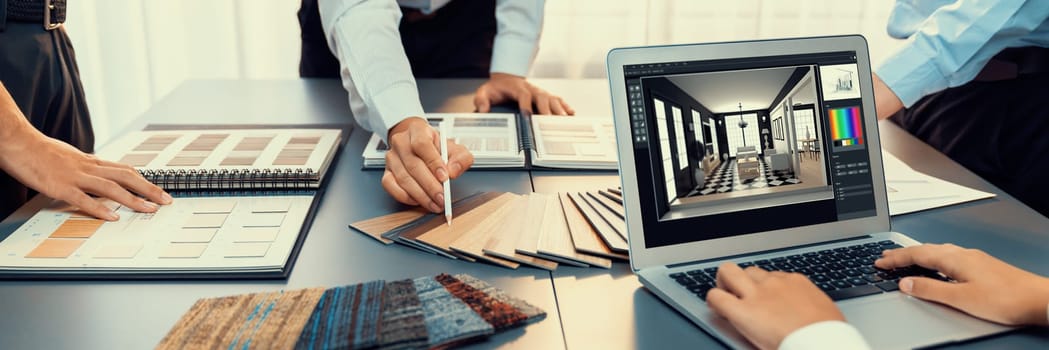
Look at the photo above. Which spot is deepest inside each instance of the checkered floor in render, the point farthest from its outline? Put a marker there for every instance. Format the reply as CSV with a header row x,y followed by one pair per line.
x,y
725,179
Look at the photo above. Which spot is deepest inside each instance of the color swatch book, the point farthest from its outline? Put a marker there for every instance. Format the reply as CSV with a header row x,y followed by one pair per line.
x,y
538,230
222,157
219,225
504,140
423,313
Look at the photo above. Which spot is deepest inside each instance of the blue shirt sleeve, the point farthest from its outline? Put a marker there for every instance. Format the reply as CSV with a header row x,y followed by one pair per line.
x,y
949,42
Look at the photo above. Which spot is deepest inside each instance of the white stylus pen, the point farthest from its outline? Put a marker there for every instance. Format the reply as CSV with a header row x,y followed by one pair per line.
x,y
447,182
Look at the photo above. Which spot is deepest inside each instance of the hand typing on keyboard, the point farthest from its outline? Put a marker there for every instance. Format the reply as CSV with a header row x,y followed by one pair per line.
x,y
983,286
766,306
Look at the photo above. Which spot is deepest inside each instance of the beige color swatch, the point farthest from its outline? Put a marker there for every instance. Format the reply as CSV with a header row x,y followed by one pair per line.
x,y
555,240
256,234
375,227
504,244
183,250
528,240
205,221
194,235
609,204
584,237
612,239
247,250
118,251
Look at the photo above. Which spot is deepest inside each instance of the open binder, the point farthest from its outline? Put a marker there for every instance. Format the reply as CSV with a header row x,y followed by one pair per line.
x,y
522,141
244,198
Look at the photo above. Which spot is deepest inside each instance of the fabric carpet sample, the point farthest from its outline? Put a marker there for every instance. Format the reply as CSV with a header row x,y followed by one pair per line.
x,y
345,318
531,312
261,320
448,319
403,321
497,313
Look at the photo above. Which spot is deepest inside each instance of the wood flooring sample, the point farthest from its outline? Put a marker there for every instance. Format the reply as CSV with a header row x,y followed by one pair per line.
x,y
556,241
442,236
614,197
615,221
611,238
584,237
472,242
609,204
528,240
375,227
504,244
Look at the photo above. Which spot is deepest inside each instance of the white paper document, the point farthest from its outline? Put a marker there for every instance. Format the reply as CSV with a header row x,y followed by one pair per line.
x,y
910,191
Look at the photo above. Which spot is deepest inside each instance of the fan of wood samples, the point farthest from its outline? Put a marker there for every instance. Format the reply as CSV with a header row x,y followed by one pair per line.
x,y
539,230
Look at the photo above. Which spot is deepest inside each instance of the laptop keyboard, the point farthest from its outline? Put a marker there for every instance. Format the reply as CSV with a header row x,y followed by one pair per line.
x,y
842,273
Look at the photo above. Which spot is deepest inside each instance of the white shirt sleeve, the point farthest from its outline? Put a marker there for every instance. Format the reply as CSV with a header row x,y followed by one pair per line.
x,y
825,335
364,36
519,24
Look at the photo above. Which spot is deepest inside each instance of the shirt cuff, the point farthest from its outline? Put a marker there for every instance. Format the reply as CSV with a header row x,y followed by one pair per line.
x,y
512,56
394,104
825,335
911,75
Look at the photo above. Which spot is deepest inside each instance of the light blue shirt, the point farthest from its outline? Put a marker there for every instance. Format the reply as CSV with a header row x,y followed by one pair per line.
x,y
949,41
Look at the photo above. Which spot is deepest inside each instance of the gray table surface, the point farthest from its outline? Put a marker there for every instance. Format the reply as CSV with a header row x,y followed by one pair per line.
x,y
136,315
588,308
612,310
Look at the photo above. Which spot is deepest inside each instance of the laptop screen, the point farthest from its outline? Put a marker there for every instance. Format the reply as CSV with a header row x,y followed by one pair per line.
x,y
737,146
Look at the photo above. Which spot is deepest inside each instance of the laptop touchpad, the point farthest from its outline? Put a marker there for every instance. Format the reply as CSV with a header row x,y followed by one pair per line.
x,y
896,320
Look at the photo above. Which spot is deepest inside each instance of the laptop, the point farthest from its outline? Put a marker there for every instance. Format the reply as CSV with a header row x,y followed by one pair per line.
x,y
765,153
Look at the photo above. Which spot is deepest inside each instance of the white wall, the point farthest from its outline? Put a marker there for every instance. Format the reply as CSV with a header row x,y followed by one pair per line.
x,y
133,52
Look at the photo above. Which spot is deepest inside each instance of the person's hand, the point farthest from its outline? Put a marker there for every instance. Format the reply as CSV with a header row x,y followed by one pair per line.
x,y
414,169
984,286
502,87
765,306
886,103
63,172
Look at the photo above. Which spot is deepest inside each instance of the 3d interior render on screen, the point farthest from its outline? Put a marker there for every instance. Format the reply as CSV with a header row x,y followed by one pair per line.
x,y
745,139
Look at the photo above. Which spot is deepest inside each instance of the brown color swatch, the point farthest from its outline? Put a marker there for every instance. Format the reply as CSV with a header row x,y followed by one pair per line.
x,y
584,237
253,143
77,228
137,159
157,142
555,240
611,238
205,142
56,248
442,236
375,227
186,161
238,161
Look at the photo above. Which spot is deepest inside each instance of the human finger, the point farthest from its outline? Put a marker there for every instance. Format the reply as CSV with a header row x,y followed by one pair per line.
x,y
89,205
130,178
933,256
482,103
424,146
756,273
389,183
933,290
109,189
732,279
408,183
542,103
557,106
725,304
568,108
524,101
459,159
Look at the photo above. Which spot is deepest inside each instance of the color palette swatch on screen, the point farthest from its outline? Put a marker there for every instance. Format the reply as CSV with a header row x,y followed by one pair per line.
x,y
846,126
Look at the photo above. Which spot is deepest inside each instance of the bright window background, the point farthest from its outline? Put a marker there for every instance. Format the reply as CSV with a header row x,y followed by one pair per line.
x,y
664,147
133,52
804,125
736,137
679,131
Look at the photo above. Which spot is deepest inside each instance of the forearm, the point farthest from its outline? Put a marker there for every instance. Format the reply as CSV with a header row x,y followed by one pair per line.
x,y
13,126
374,68
520,23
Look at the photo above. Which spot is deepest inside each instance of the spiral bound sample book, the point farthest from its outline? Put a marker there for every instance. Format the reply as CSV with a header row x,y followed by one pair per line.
x,y
522,141
242,199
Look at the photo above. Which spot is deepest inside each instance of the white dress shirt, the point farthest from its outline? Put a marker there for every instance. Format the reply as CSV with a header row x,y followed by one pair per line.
x,y
363,35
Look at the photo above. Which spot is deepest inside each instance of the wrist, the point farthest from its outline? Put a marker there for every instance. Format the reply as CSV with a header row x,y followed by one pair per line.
x,y
1037,310
406,124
